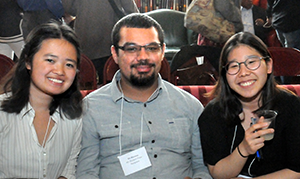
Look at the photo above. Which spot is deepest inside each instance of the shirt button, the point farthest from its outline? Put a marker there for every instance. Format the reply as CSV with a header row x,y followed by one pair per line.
x,y
155,156
153,141
145,105
149,122
154,177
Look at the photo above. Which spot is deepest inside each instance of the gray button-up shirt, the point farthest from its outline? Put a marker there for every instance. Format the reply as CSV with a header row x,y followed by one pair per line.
x,y
169,132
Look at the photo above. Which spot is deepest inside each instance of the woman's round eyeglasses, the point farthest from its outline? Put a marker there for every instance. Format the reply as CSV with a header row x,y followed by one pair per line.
x,y
252,63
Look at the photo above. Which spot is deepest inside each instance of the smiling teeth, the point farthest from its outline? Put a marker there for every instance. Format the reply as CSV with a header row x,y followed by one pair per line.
x,y
247,83
55,80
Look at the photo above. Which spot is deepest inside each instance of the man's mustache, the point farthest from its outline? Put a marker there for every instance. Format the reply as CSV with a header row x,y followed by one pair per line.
x,y
142,63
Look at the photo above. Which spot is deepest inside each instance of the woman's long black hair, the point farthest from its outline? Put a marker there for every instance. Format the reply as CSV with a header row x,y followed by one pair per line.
x,y
69,102
228,98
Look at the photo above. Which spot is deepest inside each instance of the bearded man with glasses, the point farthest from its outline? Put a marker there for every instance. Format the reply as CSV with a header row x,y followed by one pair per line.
x,y
140,126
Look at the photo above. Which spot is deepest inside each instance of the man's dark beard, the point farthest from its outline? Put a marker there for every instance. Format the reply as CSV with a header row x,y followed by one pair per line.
x,y
141,81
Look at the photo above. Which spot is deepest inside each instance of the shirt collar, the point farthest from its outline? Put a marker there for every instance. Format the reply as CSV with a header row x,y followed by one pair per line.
x,y
28,110
117,95
244,9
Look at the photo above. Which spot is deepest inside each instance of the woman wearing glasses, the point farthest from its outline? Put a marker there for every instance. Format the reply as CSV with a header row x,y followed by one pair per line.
x,y
232,146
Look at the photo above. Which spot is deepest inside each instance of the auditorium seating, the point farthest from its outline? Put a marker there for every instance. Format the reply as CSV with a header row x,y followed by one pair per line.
x,y
199,91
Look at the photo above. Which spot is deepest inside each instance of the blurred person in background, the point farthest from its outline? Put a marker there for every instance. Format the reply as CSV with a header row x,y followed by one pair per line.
x,y
254,17
11,38
284,16
37,12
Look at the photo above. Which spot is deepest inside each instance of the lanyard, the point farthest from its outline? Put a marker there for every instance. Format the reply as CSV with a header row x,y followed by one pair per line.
x,y
121,121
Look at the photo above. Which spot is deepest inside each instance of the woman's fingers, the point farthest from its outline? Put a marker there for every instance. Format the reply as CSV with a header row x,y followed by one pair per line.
x,y
253,137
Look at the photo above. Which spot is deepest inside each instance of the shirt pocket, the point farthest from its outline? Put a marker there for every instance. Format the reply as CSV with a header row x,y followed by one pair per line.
x,y
179,132
109,137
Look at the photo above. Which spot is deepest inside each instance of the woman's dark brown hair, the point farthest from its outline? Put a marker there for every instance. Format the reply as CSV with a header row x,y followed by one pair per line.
x,y
228,98
69,102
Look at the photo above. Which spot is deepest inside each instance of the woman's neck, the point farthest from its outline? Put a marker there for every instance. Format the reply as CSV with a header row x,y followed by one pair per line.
x,y
251,103
39,100
42,121
249,106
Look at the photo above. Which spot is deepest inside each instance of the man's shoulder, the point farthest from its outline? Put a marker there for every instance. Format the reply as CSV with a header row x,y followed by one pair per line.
x,y
180,93
101,93
100,90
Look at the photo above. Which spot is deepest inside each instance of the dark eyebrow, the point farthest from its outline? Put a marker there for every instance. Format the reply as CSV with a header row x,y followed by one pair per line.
x,y
50,55
71,60
54,56
233,60
251,56
131,43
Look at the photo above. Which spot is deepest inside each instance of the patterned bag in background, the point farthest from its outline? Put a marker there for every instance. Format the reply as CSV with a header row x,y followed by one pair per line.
x,y
202,18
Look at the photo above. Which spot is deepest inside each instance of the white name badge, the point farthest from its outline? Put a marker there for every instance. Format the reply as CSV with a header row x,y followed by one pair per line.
x,y
134,161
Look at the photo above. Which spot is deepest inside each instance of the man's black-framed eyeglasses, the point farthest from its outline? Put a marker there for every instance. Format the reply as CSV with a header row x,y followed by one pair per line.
x,y
133,48
252,63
